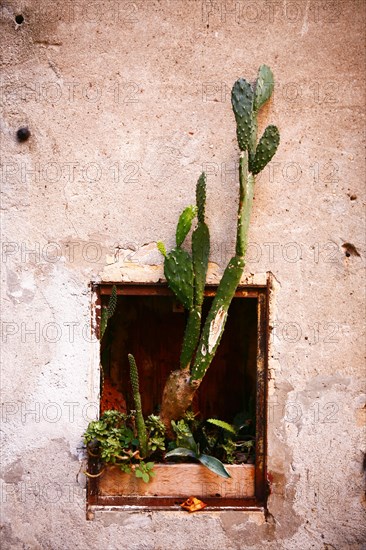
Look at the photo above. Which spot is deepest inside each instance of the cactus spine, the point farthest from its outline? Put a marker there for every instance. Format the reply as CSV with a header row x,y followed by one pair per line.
x,y
140,422
187,279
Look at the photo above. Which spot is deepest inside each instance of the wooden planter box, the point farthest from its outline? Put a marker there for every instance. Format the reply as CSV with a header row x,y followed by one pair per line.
x,y
180,480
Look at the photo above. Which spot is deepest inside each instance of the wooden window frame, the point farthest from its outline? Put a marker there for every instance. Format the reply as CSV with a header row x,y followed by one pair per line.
x,y
261,293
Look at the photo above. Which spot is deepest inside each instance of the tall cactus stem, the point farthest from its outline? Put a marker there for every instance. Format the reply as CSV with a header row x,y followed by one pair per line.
x,y
200,254
191,337
246,193
253,137
201,197
140,422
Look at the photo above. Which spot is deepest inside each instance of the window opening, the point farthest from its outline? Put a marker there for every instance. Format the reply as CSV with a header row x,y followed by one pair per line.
x,y
149,323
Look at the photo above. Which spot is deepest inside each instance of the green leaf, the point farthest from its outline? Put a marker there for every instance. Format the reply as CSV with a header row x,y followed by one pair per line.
x,y
184,435
145,477
222,424
161,248
181,452
185,223
264,87
215,465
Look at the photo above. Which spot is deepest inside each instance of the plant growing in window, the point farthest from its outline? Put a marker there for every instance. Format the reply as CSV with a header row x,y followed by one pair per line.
x,y
127,439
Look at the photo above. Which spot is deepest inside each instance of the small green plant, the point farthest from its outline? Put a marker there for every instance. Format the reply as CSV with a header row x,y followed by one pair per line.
x,y
144,470
113,440
186,447
126,439
155,434
232,443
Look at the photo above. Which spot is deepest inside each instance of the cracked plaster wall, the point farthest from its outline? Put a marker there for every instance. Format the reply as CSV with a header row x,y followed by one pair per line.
x,y
126,103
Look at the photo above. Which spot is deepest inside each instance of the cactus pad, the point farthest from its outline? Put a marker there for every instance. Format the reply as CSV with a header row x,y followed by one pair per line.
x,y
178,270
185,223
264,87
201,197
266,148
216,319
161,247
108,312
242,102
200,254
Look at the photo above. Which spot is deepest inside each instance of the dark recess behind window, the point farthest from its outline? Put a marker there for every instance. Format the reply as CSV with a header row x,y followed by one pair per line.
x,y
152,327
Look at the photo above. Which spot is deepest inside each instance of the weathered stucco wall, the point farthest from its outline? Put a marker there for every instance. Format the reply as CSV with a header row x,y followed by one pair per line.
x,y
126,103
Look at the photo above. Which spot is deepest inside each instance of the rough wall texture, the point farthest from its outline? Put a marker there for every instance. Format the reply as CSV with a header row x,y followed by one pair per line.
x,y
126,102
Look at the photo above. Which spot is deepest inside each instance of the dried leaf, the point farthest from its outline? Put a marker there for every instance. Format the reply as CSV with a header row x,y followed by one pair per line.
x,y
193,504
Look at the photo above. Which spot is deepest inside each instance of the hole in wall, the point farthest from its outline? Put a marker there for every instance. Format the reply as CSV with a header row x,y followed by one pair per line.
x,y
19,19
23,133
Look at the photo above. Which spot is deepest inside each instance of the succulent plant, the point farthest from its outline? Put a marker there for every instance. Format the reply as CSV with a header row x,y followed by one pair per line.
x,y
186,274
108,311
140,422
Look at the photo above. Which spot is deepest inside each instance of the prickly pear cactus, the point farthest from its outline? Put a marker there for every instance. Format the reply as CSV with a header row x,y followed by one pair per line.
x,y
186,275
178,270
242,102
265,150
246,101
200,254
